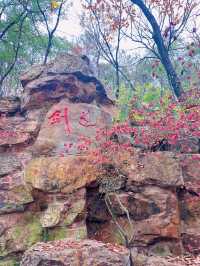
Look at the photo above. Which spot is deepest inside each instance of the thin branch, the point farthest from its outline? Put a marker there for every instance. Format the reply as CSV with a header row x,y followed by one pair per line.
x,y
11,24
16,52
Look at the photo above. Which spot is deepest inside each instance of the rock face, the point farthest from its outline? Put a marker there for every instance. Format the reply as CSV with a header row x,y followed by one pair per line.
x,y
71,253
190,203
51,189
64,63
68,76
149,196
9,105
42,194
59,175
85,252
72,125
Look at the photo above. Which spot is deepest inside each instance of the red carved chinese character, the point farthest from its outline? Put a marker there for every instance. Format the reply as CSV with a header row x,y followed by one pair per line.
x,y
83,144
67,125
84,120
56,118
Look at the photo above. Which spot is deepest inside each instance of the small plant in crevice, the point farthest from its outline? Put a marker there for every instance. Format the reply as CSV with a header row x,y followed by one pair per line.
x,y
45,234
125,234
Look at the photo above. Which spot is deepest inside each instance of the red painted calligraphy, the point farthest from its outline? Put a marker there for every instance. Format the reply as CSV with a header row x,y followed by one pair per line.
x,y
84,120
57,116
84,143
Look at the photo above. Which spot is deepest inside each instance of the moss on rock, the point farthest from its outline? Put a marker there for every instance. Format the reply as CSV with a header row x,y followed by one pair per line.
x,y
21,236
58,233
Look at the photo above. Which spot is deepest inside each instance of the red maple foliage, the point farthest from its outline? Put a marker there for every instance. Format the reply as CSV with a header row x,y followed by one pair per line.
x,y
171,124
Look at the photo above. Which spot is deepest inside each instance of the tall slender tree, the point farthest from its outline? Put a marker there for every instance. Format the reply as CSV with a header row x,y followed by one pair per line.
x,y
153,25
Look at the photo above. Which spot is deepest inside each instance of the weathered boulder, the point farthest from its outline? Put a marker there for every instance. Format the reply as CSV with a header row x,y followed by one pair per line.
x,y
9,163
18,232
148,194
64,63
63,215
68,76
142,260
13,161
70,253
59,209
14,193
49,217
59,174
52,204
87,252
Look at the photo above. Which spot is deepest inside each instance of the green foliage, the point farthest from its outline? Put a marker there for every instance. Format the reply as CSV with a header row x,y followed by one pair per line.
x,y
123,102
25,40
145,94
149,93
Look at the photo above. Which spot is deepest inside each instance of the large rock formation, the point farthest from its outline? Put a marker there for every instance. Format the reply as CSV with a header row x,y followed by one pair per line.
x,y
50,189
42,191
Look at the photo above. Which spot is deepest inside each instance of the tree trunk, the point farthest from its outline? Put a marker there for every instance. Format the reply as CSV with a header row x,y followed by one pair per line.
x,y
48,49
117,81
162,50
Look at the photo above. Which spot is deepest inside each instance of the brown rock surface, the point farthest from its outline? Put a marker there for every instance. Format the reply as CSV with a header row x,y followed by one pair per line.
x,y
149,196
57,174
74,121
18,232
142,260
14,194
159,168
68,76
9,105
59,208
189,201
17,130
51,204
72,253
65,63
13,161
88,252
9,163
